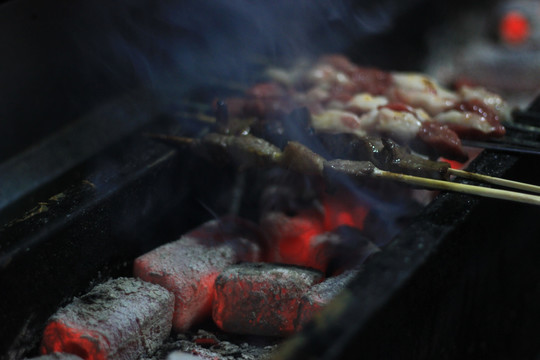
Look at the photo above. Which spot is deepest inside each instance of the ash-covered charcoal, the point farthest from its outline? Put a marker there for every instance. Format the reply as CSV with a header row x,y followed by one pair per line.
x,y
339,250
224,346
320,295
180,355
56,356
189,266
261,299
122,318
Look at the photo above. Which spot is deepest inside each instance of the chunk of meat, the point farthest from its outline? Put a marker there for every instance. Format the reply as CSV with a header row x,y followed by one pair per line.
x,y
443,140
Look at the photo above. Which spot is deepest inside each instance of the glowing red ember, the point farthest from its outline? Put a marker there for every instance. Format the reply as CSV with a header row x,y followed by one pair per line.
x,y
261,299
293,236
344,209
189,266
121,319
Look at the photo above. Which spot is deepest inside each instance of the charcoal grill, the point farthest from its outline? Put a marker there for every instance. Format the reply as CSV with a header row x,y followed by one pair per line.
x,y
460,281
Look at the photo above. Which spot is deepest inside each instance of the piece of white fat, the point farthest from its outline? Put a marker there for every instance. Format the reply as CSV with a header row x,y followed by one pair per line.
x,y
421,91
339,121
465,119
365,102
402,125
491,100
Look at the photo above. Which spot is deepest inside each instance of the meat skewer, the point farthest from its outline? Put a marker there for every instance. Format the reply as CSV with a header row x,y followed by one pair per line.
x,y
503,145
340,99
247,150
410,108
394,159
407,107
269,103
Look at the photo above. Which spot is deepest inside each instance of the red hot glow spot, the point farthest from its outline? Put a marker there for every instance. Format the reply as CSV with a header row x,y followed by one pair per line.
x,y
293,236
122,319
514,28
344,209
66,338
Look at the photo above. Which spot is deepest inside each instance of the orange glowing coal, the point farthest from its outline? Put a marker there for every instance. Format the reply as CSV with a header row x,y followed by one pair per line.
x,y
294,235
63,338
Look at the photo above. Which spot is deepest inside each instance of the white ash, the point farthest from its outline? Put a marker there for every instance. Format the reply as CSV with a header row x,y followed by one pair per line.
x,y
226,347
132,315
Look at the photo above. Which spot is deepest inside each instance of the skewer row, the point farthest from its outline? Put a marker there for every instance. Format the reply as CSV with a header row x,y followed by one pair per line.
x,y
247,151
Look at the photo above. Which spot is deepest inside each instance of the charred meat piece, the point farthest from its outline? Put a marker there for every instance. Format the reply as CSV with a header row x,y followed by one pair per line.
x,y
355,155
243,151
384,154
396,158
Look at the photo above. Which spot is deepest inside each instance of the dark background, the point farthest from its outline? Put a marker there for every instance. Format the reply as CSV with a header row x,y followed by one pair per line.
x,y
62,58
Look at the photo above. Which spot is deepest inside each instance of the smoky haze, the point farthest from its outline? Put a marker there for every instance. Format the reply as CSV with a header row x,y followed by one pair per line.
x,y
62,58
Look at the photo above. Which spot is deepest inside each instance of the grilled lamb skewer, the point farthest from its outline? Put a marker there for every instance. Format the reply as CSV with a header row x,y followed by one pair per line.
x,y
247,150
471,111
385,154
407,107
399,122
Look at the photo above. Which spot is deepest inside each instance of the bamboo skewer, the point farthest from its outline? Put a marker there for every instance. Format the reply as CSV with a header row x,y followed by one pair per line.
x,y
420,181
457,187
375,172
495,180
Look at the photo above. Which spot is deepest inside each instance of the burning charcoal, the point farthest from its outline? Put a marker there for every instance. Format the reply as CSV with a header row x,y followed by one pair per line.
x,y
189,266
121,319
341,249
320,295
290,236
56,356
293,236
344,208
261,299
